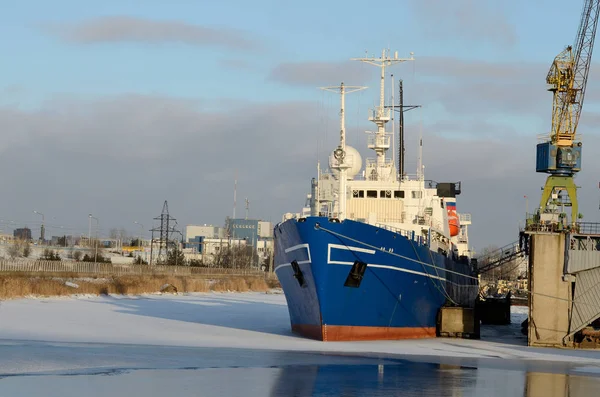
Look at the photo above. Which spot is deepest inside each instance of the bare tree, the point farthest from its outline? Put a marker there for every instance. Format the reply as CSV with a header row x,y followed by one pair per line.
x,y
96,249
240,257
26,249
485,257
14,250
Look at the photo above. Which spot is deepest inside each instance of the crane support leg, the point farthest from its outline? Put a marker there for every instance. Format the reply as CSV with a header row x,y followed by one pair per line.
x,y
556,183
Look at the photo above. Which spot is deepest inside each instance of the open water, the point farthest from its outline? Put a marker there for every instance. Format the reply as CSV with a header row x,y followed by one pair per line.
x,y
178,371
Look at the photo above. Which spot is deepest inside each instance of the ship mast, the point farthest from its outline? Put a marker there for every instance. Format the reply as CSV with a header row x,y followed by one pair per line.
x,y
380,115
340,153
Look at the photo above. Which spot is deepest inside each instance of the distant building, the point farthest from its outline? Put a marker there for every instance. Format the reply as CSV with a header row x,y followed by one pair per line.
x,y
246,229
252,230
6,237
23,233
208,231
257,233
64,241
206,241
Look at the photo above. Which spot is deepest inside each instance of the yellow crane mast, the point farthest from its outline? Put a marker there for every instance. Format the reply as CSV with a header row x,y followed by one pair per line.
x,y
560,154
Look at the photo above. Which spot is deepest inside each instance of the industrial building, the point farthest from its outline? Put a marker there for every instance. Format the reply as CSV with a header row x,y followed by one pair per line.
x,y
252,230
205,241
22,233
64,241
209,231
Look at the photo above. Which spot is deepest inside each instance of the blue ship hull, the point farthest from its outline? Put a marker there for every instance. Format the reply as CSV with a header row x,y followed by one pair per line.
x,y
398,296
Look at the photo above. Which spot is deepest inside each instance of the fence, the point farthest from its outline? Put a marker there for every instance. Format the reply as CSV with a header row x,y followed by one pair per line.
x,y
108,269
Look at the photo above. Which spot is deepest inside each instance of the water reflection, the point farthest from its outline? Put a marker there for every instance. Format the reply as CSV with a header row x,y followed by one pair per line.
x,y
560,385
421,379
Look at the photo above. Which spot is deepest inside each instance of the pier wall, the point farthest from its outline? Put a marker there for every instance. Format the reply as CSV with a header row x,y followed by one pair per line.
x,y
549,306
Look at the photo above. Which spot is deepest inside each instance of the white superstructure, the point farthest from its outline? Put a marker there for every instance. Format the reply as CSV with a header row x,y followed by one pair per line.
x,y
376,194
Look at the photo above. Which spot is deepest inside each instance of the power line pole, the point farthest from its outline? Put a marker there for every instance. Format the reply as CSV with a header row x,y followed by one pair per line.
x,y
164,229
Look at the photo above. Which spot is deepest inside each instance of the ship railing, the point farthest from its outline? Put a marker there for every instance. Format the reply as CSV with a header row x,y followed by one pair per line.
x,y
462,240
378,141
372,163
405,233
427,183
379,113
409,234
409,177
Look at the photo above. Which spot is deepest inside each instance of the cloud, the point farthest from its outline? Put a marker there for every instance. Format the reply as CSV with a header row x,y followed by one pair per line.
x,y
458,86
495,174
312,74
480,123
478,70
510,95
112,29
474,87
120,157
470,20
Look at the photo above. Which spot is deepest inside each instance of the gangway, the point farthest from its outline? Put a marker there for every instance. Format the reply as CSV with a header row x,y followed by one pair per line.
x,y
502,256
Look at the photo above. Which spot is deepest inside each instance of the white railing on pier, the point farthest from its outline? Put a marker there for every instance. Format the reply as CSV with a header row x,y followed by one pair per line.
x,y
108,269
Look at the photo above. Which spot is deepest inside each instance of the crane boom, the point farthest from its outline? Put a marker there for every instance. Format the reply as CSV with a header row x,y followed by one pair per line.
x,y
584,47
560,155
568,76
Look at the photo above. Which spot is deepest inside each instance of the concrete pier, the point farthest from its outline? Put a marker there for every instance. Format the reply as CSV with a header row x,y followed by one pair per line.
x,y
549,308
564,285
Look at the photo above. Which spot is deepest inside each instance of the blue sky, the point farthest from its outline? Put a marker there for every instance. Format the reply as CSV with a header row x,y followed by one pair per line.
x,y
307,31
75,89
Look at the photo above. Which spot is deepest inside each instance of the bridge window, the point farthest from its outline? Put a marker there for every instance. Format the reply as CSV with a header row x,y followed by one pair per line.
x,y
358,193
372,193
385,194
398,193
417,194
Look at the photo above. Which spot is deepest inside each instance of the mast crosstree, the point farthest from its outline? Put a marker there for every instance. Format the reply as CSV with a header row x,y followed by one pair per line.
x,y
340,153
380,142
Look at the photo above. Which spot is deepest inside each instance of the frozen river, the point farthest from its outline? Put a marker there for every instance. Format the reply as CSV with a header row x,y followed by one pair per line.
x,y
222,344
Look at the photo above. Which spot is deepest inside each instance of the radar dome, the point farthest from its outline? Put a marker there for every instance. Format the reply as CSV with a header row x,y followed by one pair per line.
x,y
352,159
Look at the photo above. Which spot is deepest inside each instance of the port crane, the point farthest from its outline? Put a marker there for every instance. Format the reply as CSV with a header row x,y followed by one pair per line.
x,y
560,153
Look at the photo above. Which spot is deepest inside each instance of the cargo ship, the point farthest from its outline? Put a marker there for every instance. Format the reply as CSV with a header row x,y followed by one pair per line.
x,y
376,252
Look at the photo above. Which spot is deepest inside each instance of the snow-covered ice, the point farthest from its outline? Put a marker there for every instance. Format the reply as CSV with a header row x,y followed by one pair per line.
x,y
235,320
50,338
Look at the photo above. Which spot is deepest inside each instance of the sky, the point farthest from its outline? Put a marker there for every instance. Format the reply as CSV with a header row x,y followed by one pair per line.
x,y
113,107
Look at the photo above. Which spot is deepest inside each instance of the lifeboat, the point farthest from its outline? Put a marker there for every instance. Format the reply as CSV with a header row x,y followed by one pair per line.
x,y
453,222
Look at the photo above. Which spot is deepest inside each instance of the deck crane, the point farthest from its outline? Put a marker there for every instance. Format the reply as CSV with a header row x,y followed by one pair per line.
x,y
560,154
